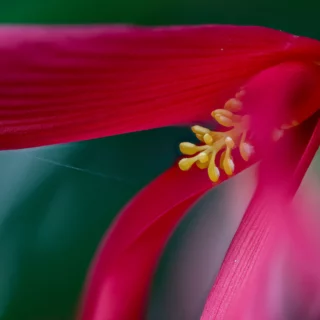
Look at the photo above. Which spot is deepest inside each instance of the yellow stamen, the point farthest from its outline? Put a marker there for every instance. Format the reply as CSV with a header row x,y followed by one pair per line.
x,y
223,117
224,121
190,149
202,165
220,144
213,170
234,105
207,138
200,130
199,137
228,164
223,154
204,156
221,112
245,148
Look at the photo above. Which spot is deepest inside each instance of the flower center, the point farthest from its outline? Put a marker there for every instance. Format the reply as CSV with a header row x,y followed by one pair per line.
x,y
217,146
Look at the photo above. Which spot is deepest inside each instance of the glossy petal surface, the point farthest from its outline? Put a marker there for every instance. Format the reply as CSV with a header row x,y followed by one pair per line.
x,y
62,84
121,273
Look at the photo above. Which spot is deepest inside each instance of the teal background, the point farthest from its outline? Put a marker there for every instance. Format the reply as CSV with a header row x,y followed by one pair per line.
x,y
56,202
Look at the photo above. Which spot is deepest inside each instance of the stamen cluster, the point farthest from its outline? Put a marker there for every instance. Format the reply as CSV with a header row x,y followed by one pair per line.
x,y
219,144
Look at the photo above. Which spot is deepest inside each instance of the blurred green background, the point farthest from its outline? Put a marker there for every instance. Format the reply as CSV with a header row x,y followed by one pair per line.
x,y
56,202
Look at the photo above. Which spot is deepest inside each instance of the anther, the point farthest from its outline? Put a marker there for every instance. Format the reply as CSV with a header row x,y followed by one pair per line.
x,y
207,138
224,121
221,112
234,105
228,164
246,150
240,94
200,130
223,117
203,157
223,154
199,137
190,149
202,165
186,163
213,171
229,142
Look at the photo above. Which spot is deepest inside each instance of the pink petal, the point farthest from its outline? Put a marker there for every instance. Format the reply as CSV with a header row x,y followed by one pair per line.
x,y
287,281
255,302
303,234
62,84
120,277
277,95
252,241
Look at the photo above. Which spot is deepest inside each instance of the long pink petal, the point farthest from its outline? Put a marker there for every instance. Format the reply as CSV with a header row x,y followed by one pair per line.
x,y
120,276
253,301
287,282
251,241
62,84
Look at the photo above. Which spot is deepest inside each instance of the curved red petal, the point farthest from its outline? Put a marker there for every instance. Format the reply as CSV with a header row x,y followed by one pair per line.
x,y
62,84
120,277
249,245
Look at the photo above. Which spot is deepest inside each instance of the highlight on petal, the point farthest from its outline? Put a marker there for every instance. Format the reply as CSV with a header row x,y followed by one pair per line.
x,y
121,273
63,84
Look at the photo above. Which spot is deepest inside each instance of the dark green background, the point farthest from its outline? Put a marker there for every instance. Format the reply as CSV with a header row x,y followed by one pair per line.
x,y
56,202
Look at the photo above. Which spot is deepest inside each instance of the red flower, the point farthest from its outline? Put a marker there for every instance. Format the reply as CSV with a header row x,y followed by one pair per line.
x,y
63,84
